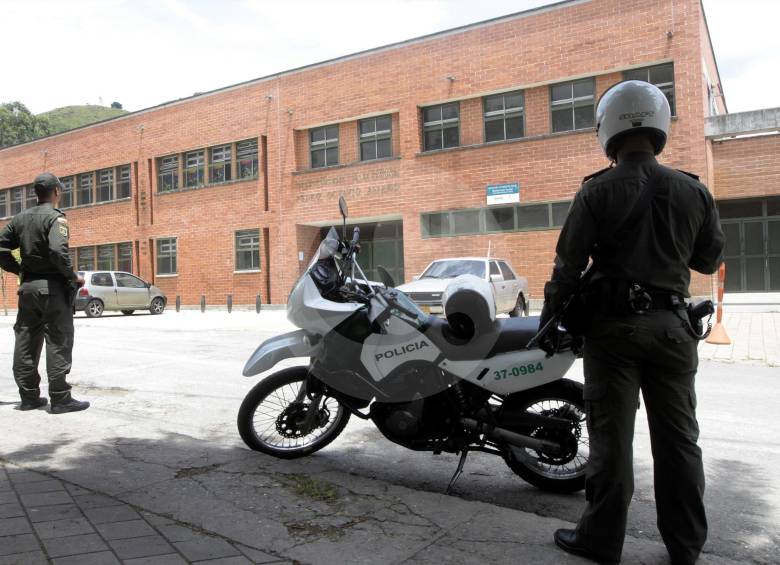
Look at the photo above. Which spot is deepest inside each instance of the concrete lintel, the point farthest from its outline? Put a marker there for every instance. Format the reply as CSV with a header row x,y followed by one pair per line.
x,y
743,123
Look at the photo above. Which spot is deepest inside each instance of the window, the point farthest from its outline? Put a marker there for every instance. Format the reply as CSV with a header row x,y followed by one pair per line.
x,y
17,200
571,105
440,127
106,254
521,217
105,185
246,153
124,280
560,210
86,258
500,219
465,221
436,224
533,216
3,203
166,256
102,279
375,138
72,255
494,270
248,250
125,257
506,272
503,116
66,200
31,198
660,75
324,146
220,164
85,189
123,182
194,168
168,173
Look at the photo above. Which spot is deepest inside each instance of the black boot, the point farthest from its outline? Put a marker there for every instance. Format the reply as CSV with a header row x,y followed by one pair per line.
x,y
69,405
567,541
32,404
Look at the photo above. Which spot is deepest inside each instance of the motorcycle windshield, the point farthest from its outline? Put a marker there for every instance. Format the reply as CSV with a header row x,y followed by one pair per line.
x,y
328,246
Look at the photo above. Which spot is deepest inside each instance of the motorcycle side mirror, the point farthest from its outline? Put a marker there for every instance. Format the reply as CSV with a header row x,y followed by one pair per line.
x,y
343,210
343,207
386,278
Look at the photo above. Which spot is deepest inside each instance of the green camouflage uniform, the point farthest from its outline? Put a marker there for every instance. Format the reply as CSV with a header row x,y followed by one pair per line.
x,y
45,298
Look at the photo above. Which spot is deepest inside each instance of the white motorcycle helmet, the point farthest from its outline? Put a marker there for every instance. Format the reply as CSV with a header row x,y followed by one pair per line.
x,y
628,107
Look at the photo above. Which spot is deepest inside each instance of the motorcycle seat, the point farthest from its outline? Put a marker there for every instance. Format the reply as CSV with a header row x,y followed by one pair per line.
x,y
506,334
514,333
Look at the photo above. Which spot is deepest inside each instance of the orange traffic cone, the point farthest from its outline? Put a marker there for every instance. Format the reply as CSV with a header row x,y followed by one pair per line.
x,y
718,336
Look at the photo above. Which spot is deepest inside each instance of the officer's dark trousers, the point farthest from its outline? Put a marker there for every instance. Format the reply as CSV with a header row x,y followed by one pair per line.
x,y
654,353
44,313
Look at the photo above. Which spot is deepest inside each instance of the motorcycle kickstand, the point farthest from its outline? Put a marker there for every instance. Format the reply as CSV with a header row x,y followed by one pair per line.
x,y
458,471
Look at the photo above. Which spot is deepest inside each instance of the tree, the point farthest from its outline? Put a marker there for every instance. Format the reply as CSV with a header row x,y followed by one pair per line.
x,y
117,105
18,124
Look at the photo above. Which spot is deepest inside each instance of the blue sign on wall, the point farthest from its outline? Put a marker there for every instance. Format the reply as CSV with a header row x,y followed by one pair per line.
x,y
503,193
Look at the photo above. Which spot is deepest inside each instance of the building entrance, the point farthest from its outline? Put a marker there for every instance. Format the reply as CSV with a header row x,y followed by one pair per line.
x,y
752,254
381,244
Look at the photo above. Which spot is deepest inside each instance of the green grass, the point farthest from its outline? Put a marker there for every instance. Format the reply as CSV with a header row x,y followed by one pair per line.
x,y
70,117
315,489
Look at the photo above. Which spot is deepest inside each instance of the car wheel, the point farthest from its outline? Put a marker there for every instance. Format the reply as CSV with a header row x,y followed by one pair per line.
x,y
127,312
157,306
521,307
94,308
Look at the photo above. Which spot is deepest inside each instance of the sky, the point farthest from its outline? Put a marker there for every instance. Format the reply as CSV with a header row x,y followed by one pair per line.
x,y
145,52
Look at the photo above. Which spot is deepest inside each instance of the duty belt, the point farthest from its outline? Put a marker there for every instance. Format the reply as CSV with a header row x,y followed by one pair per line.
x,y
634,298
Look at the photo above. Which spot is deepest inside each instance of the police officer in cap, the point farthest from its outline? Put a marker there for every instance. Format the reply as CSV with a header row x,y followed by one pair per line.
x,y
45,297
638,345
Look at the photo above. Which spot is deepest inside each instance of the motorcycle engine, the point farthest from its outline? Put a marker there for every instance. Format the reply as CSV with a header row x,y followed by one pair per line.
x,y
417,424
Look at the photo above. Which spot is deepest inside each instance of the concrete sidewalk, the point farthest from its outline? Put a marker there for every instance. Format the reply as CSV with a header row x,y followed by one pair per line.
x,y
43,519
755,339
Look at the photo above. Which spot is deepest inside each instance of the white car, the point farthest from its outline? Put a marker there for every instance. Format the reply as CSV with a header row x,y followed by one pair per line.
x,y
510,291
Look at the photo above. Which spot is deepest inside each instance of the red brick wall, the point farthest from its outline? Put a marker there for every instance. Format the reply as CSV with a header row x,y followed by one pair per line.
x,y
594,38
746,167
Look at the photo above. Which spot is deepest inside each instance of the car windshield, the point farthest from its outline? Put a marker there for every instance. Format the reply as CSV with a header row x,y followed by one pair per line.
x,y
454,268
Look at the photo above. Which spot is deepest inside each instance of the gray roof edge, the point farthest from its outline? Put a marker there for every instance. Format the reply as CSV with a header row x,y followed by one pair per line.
x,y
444,33
742,123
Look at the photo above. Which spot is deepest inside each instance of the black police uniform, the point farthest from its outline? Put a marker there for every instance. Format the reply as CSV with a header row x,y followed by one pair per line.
x,y
625,352
45,299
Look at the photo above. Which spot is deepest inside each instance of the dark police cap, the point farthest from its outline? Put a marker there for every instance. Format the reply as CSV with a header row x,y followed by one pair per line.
x,y
47,181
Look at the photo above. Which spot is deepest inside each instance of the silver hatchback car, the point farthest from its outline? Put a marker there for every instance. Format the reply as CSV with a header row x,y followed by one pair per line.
x,y
116,290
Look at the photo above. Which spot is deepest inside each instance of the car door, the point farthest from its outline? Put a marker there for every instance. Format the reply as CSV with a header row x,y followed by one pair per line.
x,y
499,286
101,286
512,288
132,292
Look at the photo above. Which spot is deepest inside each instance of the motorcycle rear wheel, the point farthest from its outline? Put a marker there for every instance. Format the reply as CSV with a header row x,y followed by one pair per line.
x,y
271,406
561,398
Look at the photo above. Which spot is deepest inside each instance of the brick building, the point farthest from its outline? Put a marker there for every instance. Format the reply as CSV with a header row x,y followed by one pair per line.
x,y
227,192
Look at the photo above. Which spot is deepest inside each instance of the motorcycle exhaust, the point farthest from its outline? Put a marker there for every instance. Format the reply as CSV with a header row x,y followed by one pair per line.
x,y
510,437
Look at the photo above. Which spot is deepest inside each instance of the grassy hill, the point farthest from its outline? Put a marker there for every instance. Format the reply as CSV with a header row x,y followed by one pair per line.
x,y
69,117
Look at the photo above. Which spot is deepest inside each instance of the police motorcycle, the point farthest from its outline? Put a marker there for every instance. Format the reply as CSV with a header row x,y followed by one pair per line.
x,y
460,384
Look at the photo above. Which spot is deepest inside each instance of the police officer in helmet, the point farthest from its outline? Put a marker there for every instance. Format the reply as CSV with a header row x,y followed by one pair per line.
x,y
638,337
45,297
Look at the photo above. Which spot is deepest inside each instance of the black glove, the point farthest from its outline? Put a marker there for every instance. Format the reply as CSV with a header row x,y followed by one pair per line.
x,y
550,339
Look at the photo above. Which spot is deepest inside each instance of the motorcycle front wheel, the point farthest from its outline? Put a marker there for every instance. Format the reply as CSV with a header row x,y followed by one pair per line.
x,y
562,472
272,419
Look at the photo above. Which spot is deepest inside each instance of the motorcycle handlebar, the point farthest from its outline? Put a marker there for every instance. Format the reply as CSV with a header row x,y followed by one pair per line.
x,y
355,235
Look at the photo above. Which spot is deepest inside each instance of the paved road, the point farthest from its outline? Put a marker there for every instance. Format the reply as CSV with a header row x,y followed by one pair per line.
x,y
166,390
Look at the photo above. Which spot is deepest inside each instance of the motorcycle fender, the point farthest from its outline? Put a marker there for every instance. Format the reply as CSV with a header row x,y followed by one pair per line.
x,y
285,346
513,371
